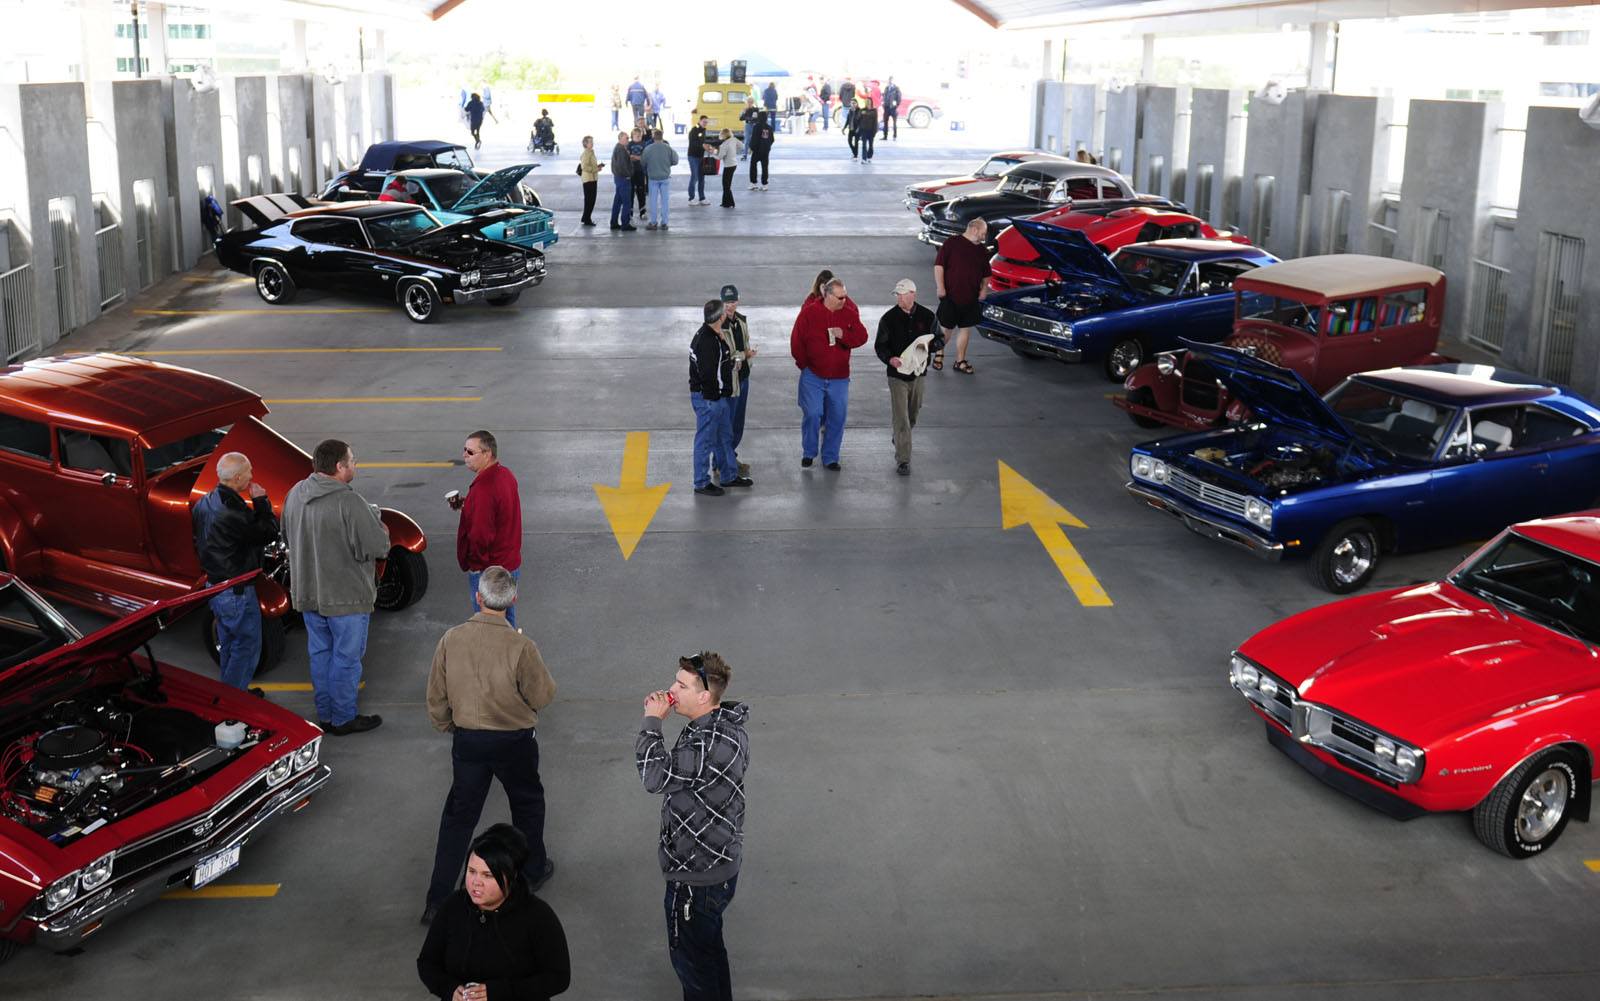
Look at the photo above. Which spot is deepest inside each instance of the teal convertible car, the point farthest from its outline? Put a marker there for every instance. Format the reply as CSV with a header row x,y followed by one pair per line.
x,y
455,196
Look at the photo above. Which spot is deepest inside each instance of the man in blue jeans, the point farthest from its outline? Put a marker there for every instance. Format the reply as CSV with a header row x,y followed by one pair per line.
x,y
712,388
229,536
335,539
622,177
824,334
736,331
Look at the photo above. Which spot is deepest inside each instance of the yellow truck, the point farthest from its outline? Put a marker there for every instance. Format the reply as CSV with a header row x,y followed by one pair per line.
x,y
723,103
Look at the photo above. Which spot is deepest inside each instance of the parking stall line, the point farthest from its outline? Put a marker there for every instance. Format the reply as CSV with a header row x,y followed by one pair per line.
x,y
190,352
268,311
291,686
236,891
373,399
1593,864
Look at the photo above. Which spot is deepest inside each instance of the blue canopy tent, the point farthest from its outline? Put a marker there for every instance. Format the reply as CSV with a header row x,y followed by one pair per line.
x,y
755,65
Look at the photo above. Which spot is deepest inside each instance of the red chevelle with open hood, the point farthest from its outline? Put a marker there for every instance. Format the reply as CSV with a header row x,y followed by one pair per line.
x,y
1016,261
1480,692
122,777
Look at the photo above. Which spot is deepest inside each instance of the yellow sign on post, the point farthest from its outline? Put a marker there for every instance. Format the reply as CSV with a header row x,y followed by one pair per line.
x,y
1022,503
631,504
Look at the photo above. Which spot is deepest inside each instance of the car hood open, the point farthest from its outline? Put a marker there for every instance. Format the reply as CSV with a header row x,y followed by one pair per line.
x,y
117,639
1069,252
461,227
1421,662
1277,395
499,186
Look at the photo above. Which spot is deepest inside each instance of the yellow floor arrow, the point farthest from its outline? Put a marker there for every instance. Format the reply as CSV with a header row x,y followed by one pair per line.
x,y
1022,503
630,505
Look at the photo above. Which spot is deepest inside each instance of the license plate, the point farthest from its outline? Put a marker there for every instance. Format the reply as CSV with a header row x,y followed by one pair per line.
x,y
212,866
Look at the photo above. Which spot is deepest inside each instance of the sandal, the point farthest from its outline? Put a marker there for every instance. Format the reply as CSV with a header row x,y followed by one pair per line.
x,y
937,361
964,367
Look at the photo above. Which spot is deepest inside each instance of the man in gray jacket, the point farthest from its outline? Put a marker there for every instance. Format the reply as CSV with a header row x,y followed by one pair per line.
x,y
702,816
335,539
659,159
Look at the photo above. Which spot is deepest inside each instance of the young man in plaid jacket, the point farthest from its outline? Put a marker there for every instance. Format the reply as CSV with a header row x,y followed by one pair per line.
x,y
701,780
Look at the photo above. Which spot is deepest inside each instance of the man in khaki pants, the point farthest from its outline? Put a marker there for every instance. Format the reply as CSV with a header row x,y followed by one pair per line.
x,y
907,335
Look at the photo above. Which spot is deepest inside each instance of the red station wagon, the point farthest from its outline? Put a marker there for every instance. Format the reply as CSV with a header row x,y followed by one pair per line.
x,y
1475,693
1325,318
102,457
1016,261
121,777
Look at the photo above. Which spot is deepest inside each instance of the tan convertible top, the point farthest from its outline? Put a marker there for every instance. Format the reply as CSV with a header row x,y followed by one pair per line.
x,y
1335,276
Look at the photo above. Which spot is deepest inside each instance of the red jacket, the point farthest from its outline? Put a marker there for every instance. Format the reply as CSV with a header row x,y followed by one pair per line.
x,y
490,533
808,342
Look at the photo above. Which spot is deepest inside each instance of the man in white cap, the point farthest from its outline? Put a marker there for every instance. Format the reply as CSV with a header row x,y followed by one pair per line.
x,y
907,335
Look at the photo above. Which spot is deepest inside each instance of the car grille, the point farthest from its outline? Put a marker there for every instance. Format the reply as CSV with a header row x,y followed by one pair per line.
x,y
502,275
1024,321
525,230
196,830
1205,493
1352,742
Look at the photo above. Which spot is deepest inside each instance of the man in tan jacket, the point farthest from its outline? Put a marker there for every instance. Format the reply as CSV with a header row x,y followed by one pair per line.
x,y
486,688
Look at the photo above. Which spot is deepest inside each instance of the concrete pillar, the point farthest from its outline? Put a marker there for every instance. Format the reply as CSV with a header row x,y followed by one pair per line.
x,y
1147,68
1317,64
1047,67
155,47
377,51
298,58
1163,154
1216,155
1277,170
97,55
1358,128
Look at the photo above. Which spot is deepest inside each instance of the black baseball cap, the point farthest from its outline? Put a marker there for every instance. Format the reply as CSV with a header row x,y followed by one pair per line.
x,y
730,293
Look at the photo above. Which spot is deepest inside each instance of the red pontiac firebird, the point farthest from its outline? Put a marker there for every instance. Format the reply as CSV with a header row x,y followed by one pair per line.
x,y
1108,227
1480,692
101,458
122,777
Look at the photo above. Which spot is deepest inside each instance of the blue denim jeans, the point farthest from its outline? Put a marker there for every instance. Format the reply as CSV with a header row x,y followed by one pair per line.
x,y
622,201
697,180
660,197
749,130
827,115
694,938
336,644
713,439
472,594
476,758
823,404
238,635
740,402
614,113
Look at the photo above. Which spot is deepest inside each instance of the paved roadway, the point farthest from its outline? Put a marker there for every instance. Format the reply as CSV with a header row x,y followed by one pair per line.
x,y
964,783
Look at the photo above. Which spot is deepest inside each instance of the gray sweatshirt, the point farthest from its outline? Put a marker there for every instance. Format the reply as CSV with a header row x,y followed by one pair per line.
x,y
659,159
335,538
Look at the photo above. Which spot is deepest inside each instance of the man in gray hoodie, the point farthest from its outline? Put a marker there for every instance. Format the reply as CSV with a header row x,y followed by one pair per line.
x,y
659,159
702,816
335,539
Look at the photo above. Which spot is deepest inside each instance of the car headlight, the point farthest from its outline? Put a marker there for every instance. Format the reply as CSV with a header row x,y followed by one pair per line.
x,y
280,769
61,893
1406,759
1061,329
1158,471
307,755
471,278
1258,512
992,312
1140,466
1268,687
1166,364
1383,747
97,873
1243,674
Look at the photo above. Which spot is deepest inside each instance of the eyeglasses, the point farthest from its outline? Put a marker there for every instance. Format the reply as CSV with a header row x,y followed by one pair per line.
x,y
468,451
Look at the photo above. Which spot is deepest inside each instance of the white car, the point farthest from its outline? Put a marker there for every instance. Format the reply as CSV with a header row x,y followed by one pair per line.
x,y
986,178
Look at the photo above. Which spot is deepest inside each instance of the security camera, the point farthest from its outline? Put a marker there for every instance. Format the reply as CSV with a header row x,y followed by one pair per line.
x,y
1272,92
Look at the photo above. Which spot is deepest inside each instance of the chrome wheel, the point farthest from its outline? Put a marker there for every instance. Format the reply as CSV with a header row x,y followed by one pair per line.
x,y
1352,559
1125,356
920,118
419,301
269,282
1543,805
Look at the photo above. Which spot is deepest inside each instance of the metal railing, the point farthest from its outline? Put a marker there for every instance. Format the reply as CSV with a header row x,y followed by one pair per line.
x,y
1486,305
17,312
108,249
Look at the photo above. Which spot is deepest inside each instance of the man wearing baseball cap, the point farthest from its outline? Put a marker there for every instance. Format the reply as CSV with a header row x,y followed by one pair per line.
x,y
711,391
907,335
736,331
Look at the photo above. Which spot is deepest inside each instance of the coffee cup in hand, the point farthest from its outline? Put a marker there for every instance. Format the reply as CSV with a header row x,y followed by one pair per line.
x,y
453,498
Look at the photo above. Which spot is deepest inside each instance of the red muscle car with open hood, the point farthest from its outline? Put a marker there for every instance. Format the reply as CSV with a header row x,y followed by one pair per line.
x,y
122,778
1480,692
1016,261
103,456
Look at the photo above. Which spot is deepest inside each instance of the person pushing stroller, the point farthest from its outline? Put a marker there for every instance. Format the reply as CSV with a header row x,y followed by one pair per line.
x,y
543,139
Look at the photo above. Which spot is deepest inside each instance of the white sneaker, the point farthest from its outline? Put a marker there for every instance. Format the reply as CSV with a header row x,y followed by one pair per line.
x,y
704,202
763,187
753,187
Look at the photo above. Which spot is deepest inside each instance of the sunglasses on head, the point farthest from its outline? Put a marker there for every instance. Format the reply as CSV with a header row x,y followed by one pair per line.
x,y
698,664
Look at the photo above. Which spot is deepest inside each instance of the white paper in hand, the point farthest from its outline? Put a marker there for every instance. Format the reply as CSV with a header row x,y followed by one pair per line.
x,y
914,359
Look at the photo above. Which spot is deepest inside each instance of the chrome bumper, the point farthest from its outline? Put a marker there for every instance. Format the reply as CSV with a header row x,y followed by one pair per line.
x,y
1203,523
67,928
1029,345
471,295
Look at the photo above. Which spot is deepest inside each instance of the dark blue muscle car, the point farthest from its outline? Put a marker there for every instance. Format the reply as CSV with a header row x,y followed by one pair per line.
x,y
1120,310
1397,459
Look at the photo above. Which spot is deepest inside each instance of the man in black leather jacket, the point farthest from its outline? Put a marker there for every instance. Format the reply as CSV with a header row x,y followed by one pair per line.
x,y
230,534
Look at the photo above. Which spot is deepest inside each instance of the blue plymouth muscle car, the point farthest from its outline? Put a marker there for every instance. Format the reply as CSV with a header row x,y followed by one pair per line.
x,y
1397,459
1124,309
455,196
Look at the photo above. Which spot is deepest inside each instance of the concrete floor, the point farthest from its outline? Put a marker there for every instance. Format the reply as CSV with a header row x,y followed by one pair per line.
x,y
964,783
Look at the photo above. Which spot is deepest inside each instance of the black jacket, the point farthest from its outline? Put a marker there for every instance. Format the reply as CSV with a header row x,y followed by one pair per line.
x,y
710,365
847,93
697,141
866,121
898,329
229,534
891,97
761,138
826,93
518,951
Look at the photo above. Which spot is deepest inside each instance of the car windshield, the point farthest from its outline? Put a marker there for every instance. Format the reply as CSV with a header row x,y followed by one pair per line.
x,y
1284,312
27,628
996,165
458,158
1154,275
173,454
1026,186
1549,586
1399,424
451,188
393,230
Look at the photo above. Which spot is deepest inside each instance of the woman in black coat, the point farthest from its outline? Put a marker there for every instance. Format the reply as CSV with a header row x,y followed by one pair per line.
x,y
494,940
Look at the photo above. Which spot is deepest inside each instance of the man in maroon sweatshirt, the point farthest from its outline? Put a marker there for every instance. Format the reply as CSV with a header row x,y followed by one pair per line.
x,y
490,533
824,334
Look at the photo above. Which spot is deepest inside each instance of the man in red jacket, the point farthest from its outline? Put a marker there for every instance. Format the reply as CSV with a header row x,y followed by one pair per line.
x,y
490,533
825,332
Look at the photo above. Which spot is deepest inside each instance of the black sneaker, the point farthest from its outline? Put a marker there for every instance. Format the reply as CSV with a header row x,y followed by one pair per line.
x,y
615,226
904,469
535,882
710,490
357,724
629,229
259,693
739,481
806,462
833,467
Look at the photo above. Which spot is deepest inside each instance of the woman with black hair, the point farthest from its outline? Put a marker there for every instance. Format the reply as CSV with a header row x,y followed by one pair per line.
x,y
493,940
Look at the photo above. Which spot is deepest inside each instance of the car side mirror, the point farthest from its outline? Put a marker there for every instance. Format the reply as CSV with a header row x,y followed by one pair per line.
x,y
1479,450
109,479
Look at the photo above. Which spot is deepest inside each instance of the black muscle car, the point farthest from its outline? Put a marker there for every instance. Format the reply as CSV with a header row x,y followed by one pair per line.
x,y
1028,189
391,249
382,159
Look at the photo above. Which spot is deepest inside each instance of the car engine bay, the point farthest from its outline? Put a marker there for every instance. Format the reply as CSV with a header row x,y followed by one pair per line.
x,y
1284,466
